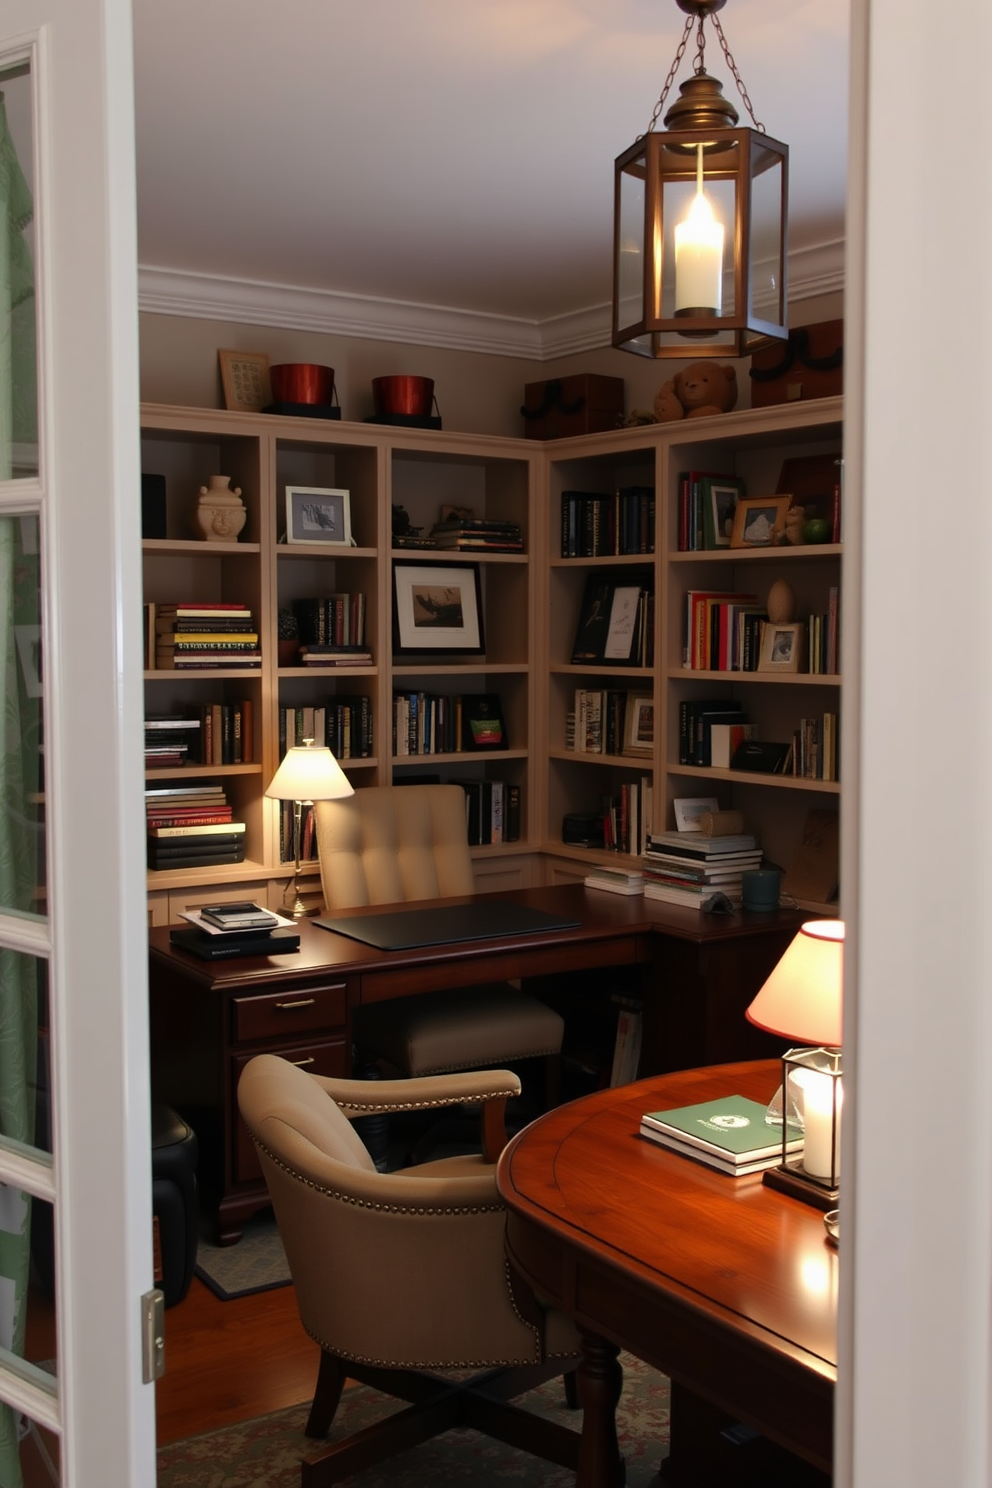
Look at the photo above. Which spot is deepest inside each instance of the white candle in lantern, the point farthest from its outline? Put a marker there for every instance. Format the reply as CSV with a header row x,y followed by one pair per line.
x,y
821,1139
699,253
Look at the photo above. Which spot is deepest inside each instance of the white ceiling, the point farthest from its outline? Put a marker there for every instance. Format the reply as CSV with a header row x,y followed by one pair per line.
x,y
367,164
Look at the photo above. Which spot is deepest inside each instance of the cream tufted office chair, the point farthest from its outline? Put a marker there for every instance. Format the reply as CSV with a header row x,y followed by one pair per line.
x,y
397,1274
389,844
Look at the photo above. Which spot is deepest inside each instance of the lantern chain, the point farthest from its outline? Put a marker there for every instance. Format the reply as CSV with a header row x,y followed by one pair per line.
x,y
734,69
676,64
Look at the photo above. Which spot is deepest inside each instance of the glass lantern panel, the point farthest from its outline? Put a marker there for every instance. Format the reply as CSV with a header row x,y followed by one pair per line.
x,y
630,245
698,257
767,276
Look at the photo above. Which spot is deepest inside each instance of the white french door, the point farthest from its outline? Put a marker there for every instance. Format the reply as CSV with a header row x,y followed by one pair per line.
x,y
74,1125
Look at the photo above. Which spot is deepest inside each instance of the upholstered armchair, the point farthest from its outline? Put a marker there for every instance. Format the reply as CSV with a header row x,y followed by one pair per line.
x,y
398,1274
390,844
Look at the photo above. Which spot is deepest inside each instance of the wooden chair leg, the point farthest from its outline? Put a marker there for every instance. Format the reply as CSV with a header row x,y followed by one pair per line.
x,y
331,1376
571,1382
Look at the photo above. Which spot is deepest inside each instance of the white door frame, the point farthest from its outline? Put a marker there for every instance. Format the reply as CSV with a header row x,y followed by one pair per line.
x,y
86,286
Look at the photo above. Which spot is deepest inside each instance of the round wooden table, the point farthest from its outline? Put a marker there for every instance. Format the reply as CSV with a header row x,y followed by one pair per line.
x,y
725,1285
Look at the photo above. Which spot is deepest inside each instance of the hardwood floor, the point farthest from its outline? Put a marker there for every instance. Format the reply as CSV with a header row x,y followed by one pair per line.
x,y
229,1361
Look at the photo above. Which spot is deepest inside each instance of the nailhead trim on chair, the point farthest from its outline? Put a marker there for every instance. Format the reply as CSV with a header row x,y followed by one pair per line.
x,y
371,1106
344,1198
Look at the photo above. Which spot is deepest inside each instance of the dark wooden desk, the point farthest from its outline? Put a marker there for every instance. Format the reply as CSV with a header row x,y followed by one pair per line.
x,y
728,1287
696,973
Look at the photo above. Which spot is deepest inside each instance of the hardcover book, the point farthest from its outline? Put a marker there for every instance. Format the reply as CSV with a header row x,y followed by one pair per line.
x,y
733,1130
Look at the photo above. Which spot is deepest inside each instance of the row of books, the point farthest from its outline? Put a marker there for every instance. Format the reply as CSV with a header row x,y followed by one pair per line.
x,y
332,619
478,535
688,867
823,638
698,717
214,734
191,826
627,816
197,636
343,725
599,722
439,723
725,631
492,812
595,525
707,506
814,748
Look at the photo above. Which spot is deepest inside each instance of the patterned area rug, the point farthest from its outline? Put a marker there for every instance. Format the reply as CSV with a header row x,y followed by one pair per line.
x,y
256,1264
266,1452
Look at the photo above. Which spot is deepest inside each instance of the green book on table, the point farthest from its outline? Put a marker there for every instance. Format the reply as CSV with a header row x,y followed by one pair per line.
x,y
731,1133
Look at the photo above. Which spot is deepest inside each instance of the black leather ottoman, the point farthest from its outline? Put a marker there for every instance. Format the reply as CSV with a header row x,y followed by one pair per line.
x,y
174,1201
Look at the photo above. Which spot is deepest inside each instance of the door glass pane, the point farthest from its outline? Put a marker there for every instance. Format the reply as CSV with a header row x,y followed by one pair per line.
x,y
22,823
18,367
27,1328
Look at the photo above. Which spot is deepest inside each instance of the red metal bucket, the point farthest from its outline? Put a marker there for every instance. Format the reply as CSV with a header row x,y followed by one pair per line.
x,y
302,382
404,394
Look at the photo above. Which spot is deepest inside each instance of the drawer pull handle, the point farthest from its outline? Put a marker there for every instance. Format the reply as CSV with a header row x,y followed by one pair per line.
x,y
302,1002
300,1062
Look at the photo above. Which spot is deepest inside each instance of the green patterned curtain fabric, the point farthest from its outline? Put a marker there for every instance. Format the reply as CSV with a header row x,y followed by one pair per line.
x,y
19,760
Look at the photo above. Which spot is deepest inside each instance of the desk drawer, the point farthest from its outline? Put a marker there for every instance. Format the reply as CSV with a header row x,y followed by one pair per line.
x,y
284,1015
330,1058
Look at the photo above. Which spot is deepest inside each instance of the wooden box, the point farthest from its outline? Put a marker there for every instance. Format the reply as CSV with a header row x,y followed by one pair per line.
x,y
809,365
561,407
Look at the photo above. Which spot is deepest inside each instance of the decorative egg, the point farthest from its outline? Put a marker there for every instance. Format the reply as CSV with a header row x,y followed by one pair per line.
x,y
781,603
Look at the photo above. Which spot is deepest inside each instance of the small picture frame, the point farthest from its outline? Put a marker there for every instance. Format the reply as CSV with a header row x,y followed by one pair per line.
x,y
721,496
690,810
483,727
638,724
244,376
759,520
437,607
782,647
318,514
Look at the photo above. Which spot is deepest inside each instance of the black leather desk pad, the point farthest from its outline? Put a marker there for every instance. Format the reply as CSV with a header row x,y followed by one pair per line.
x,y
445,924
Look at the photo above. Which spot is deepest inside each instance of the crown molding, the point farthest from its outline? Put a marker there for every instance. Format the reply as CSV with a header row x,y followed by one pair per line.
x,y
813,271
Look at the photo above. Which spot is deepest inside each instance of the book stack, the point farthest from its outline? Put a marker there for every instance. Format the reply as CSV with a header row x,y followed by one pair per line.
x,y
172,740
686,867
221,931
191,827
314,654
336,620
732,1134
478,535
195,636
614,881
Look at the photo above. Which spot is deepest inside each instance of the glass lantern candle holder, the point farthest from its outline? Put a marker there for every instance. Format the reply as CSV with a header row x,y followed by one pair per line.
x,y
811,1080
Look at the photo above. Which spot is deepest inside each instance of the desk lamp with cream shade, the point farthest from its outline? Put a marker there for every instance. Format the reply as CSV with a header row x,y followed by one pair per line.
x,y
802,1000
308,773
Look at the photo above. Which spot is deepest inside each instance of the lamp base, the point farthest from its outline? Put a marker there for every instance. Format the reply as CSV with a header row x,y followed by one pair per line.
x,y
793,1181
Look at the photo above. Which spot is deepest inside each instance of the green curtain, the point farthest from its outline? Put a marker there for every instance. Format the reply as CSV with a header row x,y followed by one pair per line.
x,y
19,756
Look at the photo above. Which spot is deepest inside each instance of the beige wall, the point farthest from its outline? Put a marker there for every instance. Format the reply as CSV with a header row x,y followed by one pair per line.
x,y
475,392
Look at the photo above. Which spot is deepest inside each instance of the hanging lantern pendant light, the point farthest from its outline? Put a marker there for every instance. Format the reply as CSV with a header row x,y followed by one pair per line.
x,y
700,221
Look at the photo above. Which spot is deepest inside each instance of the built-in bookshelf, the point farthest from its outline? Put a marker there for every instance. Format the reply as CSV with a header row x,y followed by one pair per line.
x,y
530,600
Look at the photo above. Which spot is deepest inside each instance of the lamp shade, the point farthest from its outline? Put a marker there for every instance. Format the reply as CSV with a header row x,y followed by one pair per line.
x,y
803,997
309,773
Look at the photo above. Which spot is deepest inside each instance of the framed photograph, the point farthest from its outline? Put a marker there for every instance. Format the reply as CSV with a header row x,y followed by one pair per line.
x,y
437,607
244,376
720,496
482,722
638,724
782,647
689,810
318,514
758,521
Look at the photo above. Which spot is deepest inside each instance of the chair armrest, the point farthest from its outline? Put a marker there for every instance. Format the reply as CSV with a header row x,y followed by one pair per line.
x,y
423,1093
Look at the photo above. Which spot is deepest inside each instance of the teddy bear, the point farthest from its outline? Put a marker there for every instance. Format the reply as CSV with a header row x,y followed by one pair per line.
x,y
701,389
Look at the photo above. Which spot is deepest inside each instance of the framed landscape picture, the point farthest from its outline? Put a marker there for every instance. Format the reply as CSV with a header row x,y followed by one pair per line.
x,y
758,521
437,607
318,514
